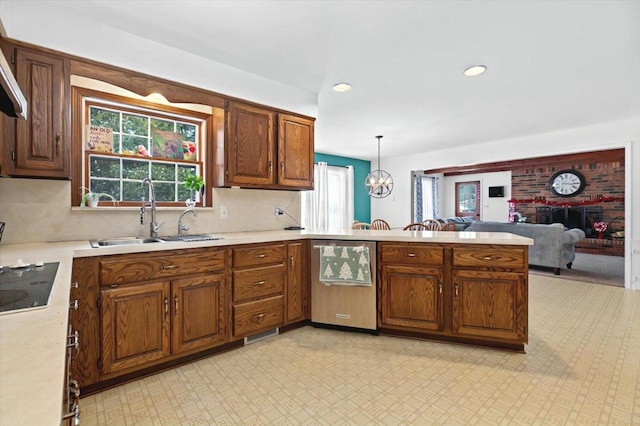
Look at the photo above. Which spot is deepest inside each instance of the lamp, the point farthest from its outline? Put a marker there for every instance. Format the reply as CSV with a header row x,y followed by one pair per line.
x,y
378,182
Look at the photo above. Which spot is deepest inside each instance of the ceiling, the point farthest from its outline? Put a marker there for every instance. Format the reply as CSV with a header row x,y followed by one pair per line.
x,y
551,64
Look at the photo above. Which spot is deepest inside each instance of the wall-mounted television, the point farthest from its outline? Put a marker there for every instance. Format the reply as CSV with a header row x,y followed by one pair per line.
x,y
496,191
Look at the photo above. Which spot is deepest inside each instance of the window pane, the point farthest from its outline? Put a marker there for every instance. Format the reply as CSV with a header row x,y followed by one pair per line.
x,y
116,143
132,191
131,144
104,118
135,124
157,124
132,169
104,167
161,171
165,191
188,131
111,187
185,171
184,193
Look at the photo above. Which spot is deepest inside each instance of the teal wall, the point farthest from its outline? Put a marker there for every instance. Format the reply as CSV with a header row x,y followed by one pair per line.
x,y
361,168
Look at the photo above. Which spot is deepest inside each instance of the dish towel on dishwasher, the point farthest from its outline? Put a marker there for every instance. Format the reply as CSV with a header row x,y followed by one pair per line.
x,y
345,265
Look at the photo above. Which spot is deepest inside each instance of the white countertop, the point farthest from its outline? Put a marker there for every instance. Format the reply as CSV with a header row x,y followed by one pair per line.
x,y
32,342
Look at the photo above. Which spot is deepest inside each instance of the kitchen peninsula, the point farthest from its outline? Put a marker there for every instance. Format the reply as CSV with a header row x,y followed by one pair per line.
x,y
466,266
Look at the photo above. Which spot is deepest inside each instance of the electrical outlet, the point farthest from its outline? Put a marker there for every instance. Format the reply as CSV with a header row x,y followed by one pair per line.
x,y
277,211
223,212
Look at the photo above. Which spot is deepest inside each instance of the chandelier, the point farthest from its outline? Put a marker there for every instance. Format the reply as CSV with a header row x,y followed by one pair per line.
x,y
378,182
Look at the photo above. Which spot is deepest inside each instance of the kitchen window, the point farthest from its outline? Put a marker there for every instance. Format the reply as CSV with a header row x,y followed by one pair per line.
x,y
126,140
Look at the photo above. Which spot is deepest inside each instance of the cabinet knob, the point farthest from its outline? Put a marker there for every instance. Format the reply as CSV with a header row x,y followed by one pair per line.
x,y
74,305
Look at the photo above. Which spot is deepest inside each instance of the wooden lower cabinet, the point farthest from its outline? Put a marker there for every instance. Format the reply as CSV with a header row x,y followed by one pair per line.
x,y
489,304
174,305
198,311
412,297
297,303
135,326
467,293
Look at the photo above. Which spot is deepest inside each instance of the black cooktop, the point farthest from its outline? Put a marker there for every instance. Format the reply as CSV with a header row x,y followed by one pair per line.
x,y
26,287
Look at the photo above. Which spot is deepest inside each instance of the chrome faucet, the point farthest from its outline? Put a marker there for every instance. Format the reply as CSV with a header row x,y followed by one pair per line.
x,y
182,227
153,225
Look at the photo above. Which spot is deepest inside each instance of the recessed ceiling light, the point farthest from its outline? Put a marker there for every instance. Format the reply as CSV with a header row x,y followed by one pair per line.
x,y
342,87
475,70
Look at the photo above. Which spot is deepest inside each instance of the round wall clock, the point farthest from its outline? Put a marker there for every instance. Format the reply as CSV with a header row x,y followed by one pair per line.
x,y
567,183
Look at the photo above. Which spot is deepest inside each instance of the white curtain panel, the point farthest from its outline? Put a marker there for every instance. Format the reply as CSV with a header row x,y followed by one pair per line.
x,y
330,204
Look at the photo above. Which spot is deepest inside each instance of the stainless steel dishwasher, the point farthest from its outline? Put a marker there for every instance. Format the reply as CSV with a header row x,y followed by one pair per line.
x,y
350,300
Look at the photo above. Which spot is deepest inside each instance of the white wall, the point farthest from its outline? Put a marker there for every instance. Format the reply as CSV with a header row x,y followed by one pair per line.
x,y
396,209
491,209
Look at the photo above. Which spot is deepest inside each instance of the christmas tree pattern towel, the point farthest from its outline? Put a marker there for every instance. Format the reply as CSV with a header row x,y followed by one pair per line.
x,y
345,265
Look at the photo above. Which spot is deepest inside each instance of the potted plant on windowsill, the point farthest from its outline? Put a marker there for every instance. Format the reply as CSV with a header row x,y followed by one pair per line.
x,y
194,183
91,199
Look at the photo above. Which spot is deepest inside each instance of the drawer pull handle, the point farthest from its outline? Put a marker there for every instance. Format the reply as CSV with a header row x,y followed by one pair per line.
x,y
261,256
259,316
163,267
487,258
74,305
411,255
263,282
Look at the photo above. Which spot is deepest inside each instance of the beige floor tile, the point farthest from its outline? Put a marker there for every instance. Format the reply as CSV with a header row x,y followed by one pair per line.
x,y
582,367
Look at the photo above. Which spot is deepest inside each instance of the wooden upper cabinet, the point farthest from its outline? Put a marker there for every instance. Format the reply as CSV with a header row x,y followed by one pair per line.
x,y
250,145
295,151
266,149
42,142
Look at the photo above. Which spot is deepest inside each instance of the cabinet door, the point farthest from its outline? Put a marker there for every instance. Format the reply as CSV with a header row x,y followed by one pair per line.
x,y
297,294
295,151
412,297
135,326
250,147
197,306
490,304
42,141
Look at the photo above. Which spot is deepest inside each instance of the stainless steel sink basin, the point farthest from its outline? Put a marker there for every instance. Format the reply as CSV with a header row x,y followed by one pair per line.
x,y
124,241
192,238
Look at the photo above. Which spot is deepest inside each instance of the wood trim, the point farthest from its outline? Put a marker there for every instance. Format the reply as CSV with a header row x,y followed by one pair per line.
x,y
611,155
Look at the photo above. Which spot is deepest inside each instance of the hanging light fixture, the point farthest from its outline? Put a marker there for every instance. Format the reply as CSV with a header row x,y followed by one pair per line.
x,y
378,182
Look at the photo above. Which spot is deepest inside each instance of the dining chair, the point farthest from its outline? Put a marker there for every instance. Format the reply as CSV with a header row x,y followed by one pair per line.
x,y
380,224
415,227
361,225
431,224
450,226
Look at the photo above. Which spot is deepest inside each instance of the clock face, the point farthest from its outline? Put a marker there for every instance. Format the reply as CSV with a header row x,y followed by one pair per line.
x,y
567,183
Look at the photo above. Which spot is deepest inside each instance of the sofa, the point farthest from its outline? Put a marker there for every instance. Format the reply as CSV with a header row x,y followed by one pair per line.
x,y
461,223
553,245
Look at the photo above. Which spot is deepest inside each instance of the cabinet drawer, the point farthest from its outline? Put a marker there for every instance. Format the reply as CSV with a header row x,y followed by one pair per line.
x,y
257,282
255,256
512,258
147,266
254,317
402,254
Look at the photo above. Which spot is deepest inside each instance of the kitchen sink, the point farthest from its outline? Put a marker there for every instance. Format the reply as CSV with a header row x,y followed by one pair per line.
x,y
192,238
124,241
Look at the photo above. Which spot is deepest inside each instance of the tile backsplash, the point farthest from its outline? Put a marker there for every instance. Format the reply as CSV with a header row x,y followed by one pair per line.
x,y
38,210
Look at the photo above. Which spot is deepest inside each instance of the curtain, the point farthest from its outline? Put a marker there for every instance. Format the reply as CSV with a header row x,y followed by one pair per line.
x,y
330,205
425,197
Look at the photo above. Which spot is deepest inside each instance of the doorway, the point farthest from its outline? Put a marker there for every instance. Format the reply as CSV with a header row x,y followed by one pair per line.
x,y
468,199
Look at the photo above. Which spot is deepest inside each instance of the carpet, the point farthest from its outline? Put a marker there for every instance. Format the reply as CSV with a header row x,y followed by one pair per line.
x,y
590,268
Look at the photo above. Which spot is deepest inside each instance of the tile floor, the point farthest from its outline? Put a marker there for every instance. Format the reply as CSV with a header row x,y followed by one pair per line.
x,y
582,367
